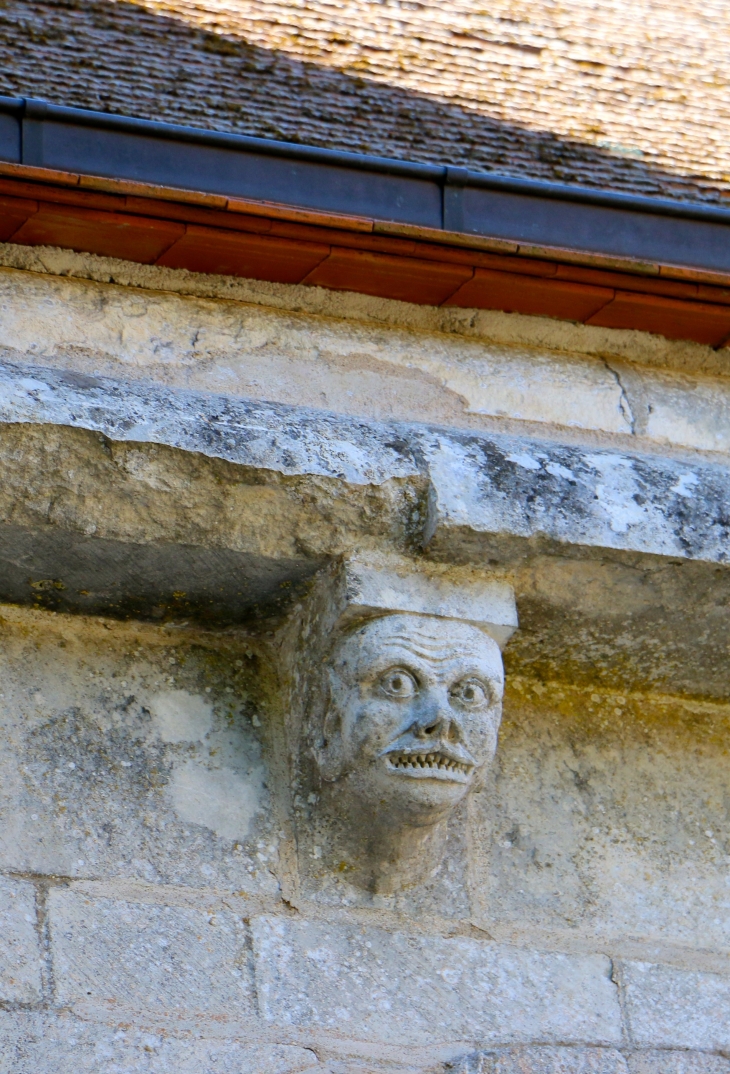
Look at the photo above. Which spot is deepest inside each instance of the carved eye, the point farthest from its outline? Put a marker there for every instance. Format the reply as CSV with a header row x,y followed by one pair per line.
x,y
470,692
398,683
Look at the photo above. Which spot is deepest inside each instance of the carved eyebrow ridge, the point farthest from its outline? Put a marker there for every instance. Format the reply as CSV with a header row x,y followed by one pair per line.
x,y
430,648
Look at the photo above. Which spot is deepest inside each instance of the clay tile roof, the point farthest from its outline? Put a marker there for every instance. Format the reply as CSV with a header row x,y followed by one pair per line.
x,y
629,95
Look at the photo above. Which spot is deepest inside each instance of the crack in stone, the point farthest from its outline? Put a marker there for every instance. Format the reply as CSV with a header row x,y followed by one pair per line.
x,y
624,402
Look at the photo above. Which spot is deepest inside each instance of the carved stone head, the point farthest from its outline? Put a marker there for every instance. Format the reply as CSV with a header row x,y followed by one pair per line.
x,y
398,675
414,706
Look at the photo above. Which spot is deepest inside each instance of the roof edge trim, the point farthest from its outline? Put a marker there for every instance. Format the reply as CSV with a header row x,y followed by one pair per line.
x,y
32,108
439,197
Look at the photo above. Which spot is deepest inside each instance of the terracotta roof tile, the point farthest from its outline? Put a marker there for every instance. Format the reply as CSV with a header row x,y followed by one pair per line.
x,y
94,232
494,290
667,317
406,279
236,253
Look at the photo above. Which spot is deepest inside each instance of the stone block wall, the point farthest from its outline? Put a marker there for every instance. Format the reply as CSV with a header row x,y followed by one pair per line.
x,y
171,493
152,907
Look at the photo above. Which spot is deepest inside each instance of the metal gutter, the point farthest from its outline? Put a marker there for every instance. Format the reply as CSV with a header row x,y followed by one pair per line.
x,y
441,197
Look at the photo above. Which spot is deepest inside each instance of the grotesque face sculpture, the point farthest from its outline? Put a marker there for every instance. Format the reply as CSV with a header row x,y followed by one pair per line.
x,y
414,709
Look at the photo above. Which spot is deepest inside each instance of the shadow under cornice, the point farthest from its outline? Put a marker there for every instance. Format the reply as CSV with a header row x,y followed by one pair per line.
x,y
115,56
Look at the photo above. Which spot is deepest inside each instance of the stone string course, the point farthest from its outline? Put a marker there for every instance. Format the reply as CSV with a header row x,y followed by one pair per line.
x,y
602,499
606,95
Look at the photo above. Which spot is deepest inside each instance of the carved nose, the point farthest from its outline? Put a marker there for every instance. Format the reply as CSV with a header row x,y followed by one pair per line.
x,y
436,722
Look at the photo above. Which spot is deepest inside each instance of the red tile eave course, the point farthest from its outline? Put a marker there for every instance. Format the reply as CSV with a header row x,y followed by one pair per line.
x,y
283,244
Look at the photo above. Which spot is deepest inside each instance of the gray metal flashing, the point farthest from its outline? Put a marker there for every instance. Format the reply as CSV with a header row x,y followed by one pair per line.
x,y
33,110
442,197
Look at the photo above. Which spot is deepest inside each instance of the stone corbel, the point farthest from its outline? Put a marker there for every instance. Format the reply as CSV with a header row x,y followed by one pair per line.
x,y
398,681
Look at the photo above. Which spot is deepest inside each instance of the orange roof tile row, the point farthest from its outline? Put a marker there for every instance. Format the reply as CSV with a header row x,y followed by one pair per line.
x,y
210,234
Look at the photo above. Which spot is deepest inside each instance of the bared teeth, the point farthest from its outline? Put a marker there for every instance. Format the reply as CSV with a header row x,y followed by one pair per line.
x,y
428,760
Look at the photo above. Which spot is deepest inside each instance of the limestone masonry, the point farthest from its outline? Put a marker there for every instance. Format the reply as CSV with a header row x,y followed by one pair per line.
x,y
365,684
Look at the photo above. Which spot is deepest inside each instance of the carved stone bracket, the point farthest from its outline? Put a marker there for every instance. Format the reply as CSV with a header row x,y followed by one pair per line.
x,y
398,684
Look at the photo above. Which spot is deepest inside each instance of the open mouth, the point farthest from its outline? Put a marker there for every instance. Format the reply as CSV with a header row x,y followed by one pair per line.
x,y
432,765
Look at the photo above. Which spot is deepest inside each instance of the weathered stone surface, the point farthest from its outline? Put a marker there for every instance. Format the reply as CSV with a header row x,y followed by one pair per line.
x,y
401,372
171,514
607,814
538,1060
481,485
345,366
20,953
126,526
594,498
573,496
676,1062
670,408
514,334
131,751
560,842
148,957
411,989
33,1043
153,754
654,625
378,584
145,530
256,434
668,1007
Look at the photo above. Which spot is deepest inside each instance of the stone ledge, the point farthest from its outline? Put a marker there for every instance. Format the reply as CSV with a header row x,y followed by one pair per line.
x,y
481,485
190,505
